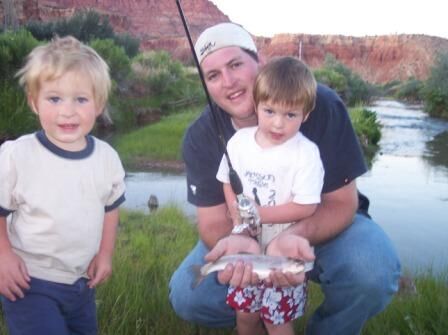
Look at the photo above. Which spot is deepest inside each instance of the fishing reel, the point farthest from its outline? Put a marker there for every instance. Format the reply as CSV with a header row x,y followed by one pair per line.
x,y
250,219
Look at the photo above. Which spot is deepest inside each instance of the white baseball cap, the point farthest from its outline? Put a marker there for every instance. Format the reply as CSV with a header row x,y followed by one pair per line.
x,y
223,35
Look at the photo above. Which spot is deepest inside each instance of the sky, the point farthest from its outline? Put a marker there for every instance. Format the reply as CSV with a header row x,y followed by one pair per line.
x,y
339,17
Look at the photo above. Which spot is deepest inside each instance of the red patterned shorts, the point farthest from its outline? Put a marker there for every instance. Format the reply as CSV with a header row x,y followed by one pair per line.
x,y
276,305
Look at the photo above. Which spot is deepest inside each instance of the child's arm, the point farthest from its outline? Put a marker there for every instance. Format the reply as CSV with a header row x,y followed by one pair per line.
x,y
14,276
100,267
288,212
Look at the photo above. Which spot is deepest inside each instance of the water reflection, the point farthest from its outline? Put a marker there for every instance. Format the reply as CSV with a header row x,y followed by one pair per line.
x,y
437,150
408,184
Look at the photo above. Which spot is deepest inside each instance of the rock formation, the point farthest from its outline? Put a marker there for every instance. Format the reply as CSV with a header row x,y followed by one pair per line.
x,y
378,59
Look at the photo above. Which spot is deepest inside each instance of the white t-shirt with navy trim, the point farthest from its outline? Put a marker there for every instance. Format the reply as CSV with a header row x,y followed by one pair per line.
x,y
57,200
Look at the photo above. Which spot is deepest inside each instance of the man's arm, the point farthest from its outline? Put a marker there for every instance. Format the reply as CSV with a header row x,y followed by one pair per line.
x,y
213,224
288,212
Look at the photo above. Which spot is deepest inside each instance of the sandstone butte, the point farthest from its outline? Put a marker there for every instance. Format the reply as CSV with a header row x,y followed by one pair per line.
x,y
377,59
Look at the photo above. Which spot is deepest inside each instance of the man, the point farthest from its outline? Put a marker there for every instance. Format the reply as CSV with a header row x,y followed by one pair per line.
x,y
355,262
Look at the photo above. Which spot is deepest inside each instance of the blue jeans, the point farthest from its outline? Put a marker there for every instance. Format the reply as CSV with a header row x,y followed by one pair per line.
x,y
50,308
358,272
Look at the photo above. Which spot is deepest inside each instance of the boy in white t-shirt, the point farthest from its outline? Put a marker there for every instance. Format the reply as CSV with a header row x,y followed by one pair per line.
x,y
282,169
61,189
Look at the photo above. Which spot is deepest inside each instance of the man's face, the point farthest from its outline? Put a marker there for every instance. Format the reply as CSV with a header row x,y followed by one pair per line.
x,y
230,74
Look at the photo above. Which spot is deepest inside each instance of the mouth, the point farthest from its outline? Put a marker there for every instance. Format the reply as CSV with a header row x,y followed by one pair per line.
x,y
68,126
276,136
236,95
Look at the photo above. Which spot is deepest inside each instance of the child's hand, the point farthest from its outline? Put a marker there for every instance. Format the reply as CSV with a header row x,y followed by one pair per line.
x,y
99,270
14,276
289,245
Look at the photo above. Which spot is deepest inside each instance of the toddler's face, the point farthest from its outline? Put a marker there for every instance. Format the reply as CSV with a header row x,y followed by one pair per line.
x,y
277,123
67,110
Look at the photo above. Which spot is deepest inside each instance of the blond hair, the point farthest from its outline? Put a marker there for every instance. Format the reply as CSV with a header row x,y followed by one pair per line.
x,y
286,81
59,56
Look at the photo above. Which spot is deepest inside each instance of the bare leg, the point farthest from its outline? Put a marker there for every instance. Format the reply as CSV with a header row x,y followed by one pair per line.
x,y
249,324
283,329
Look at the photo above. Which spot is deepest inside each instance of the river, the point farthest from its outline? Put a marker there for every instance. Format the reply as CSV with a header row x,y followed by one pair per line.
x,y
407,185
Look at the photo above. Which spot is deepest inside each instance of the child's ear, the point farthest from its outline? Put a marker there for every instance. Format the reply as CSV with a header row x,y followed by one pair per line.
x,y
32,104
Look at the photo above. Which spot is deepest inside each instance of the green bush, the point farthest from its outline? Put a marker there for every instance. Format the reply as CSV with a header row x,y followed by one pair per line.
x,y
14,47
158,70
436,88
357,91
367,128
84,25
115,56
331,78
130,44
15,117
411,90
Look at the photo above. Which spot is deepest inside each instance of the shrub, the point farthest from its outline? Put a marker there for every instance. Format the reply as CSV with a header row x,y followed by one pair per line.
x,y
357,90
14,47
130,44
367,128
159,71
331,78
436,88
115,56
84,25
411,90
15,116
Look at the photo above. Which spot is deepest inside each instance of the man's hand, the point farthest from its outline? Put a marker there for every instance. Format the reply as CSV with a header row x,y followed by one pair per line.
x,y
99,270
239,274
293,246
14,278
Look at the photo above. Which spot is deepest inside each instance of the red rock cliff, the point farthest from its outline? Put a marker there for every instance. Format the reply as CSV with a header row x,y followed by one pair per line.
x,y
378,59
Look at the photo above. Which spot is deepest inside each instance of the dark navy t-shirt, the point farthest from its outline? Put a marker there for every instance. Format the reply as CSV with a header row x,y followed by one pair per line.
x,y
328,126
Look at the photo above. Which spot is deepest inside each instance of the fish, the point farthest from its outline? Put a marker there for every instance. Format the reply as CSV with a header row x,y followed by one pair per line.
x,y
262,265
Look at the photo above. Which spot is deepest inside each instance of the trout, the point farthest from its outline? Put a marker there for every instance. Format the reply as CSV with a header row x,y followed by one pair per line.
x,y
262,265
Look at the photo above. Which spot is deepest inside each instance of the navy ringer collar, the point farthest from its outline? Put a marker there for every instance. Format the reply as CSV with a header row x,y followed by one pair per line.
x,y
86,152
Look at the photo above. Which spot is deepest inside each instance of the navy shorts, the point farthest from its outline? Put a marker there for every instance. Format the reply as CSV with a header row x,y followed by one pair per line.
x,y
50,308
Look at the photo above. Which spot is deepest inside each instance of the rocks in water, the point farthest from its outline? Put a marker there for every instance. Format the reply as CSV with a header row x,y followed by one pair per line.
x,y
153,203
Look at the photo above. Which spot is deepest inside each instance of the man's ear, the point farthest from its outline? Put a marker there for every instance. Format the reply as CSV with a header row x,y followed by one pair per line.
x,y
32,104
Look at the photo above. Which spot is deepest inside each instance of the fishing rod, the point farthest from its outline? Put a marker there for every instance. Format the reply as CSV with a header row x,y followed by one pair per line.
x,y
248,212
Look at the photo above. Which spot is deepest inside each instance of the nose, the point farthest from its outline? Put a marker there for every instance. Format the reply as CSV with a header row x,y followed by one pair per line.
x,y
278,121
228,78
68,109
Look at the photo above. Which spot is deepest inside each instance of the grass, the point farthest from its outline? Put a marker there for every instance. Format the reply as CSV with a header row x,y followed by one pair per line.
x,y
158,141
150,247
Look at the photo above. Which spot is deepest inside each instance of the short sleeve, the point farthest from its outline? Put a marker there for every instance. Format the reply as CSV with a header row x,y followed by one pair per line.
x,y
223,171
8,179
202,153
309,178
116,177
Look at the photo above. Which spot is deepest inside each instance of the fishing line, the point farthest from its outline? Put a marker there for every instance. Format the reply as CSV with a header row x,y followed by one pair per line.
x,y
235,181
